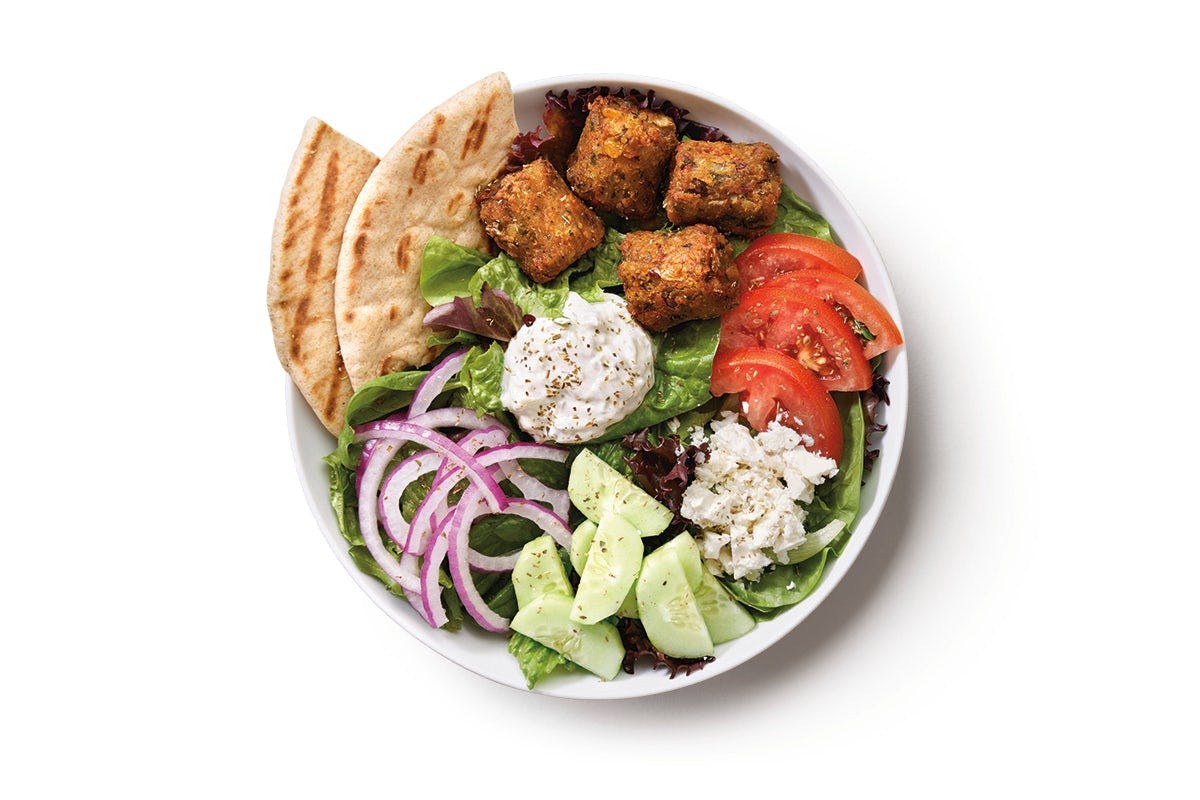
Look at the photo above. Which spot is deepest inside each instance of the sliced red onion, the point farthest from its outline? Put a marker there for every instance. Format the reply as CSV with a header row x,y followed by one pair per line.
x,y
431,590
376,463
436,381
541,516
476,472
469,506
362,462
412,565
484,438
390,493
509,452
436,504
533,489
452,418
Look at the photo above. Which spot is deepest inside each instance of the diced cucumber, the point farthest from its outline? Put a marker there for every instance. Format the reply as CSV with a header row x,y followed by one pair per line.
x,y
628,608
684,546
724,617
539,570
581,542
596,648
668,608
596,489
612,566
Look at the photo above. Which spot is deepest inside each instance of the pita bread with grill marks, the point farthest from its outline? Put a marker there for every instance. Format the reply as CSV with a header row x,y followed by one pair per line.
x,y
325,177
424,186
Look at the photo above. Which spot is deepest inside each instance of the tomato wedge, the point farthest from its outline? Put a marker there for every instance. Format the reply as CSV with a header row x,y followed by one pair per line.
x,y
774,386
805,328
778,253
834,287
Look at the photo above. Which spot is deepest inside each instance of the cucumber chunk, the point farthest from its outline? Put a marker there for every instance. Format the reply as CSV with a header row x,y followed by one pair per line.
x,y
581,542
725,618
685,547
539,570
612,566
668,608
597,489
628,608
596,648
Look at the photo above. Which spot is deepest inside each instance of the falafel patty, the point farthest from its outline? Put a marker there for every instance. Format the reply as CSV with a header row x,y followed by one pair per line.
x,y
672,277
734,186
535,217
622,157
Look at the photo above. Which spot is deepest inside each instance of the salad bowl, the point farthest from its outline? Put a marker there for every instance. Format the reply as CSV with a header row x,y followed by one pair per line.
x,y
484,653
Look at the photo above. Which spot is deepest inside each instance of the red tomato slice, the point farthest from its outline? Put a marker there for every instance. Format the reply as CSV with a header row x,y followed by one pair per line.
x,y
804,327
778,253
834,287
774,386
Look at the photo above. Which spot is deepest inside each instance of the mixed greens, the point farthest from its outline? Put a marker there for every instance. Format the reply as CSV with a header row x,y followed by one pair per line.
x,y
493,295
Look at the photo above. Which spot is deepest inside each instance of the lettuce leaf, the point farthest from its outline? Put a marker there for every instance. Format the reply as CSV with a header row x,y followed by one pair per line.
x,y
797,216
535,659
445,269
480,380
495,316
449,271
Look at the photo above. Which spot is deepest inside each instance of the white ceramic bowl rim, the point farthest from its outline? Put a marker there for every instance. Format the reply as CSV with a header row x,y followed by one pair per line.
x,y
485,654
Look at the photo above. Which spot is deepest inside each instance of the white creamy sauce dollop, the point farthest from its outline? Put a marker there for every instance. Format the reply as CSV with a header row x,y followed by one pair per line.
x,y
568,379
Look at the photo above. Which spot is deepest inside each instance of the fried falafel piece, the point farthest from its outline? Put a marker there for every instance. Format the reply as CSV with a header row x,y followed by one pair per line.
x,y
535,217
733,186
672,277
622,157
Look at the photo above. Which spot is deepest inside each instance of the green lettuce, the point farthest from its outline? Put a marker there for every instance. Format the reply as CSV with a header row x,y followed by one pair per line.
x,y
480,380
782,586
535,659
797,216
449,271
446,268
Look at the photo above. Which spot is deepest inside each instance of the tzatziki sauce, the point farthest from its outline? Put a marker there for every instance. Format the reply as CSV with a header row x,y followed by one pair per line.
x,y
568,379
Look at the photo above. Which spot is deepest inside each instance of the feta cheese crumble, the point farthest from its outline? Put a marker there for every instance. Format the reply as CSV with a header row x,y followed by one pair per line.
x,y
746,495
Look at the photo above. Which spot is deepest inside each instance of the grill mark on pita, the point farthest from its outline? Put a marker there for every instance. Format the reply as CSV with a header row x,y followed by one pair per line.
x,y
453,203
392,312
478,130
300,321
285,276
335,379
420,169
324,217
402,254
358,248
310,154
438,121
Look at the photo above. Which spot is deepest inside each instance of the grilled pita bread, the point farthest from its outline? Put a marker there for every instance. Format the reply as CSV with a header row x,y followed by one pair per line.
x,y
424,186
326,175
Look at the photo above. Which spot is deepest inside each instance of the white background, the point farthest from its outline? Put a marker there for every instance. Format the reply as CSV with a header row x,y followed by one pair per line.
x,y
1023,620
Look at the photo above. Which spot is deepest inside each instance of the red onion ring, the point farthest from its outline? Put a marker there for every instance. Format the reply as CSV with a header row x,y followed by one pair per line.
x,y
436,381
457,530
377,461
480,477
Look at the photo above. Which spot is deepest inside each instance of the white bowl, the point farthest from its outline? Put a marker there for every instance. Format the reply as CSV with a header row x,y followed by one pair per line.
x,y
485,654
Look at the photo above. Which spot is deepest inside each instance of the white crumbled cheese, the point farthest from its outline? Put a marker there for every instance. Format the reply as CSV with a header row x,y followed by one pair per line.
x,y
568,379
746,495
